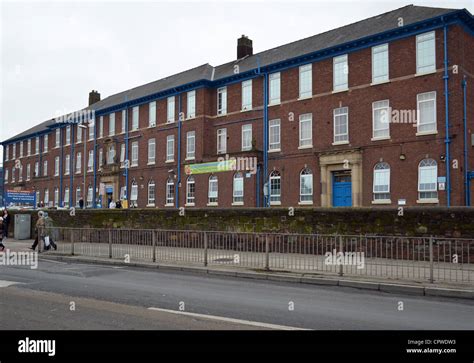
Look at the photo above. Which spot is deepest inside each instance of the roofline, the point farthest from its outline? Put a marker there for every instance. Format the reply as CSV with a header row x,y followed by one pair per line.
x,y
461,16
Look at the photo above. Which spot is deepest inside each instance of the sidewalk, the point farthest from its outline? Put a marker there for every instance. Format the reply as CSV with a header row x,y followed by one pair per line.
x,y
403,286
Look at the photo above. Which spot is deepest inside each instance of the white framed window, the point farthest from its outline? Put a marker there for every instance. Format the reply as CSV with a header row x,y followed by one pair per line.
x,y
124,121
6,176
213,190
122,155
90,161
170,148
306,81
381,188
222,101
190,190
275,187
221,141
36,174
341,125
20,173
28,148
79,135
306,186
78,162
89,202
274,88
45,143
381,119
135,118
426,112
13,175
340,73
247,137
380,63
112,124
78,195
66,197
14,152
134,194
7,152
247,95
46,197
37,145
28,172
238,189
91,130
152,114
56,197
170,110
21,149
67,164
101,127
37,193
426,53
56,166
191,104
274,135
101,158
151,193
134,161
306,130
110,154
68,135
190,145
45,168
151,151
427,180
169,192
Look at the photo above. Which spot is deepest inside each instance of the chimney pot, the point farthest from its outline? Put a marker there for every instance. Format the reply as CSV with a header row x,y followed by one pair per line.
x,y
94,97
244,47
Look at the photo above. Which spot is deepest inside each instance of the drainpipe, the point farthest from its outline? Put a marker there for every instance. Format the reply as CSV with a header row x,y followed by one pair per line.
x,y
3,179
257,191
265,140
179,152
71,166
94,163
127,160
447,141
467,184
61,167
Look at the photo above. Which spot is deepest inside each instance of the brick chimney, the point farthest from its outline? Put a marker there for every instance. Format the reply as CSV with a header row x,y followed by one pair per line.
x,y
244,47
94,97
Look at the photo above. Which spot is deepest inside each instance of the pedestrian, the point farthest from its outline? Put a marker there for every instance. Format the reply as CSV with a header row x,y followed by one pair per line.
x,y
118,205
112,204
48,224
81,203
39,229
6,222
2,229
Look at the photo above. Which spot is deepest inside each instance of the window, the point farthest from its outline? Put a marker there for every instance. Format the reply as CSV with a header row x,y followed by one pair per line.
x,y
101,127
46,197
238,189
134,194
213,190
101,158
222,101
151,194
426,112
152,114
427,180
381,119
56,197
151,151
21,149
170,110
306,130
45,143
134,154
45,168
122,155
36,174
275,187
6,176
190,191
110,154
78,162
425,53
79,134
91,130
89,197
124,121
274,85
306,186
68,135
274,135
90,162
14,152
170,148
37,195
191,104
381,182
306,80
28,171
28,148
380,63
341,127
112,124
67,165
190,144
20,173
246,137
341,73
247,95
13,175
56,166
170,192
78,196
135,118
37,145
221,141
66,197
7,152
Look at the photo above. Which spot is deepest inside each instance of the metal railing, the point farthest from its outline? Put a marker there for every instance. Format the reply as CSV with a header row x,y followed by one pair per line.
x,y
395,257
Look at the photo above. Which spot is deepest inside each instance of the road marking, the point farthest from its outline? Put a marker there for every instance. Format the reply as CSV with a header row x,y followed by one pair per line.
x,y
229,320
4,283
60,262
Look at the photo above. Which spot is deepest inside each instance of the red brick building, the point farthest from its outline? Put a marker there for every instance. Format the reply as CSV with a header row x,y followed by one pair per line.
x,y
379,112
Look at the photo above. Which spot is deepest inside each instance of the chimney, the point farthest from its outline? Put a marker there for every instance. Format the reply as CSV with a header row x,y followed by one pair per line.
x,y
94,97
244,47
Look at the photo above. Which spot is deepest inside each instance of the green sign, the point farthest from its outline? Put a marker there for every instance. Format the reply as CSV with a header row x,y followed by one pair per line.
x,y
212,167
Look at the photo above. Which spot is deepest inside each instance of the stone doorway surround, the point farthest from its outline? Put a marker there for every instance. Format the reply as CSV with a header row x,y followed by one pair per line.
x,y
341,160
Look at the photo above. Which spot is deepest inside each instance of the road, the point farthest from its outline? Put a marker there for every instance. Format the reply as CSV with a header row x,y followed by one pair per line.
x,y
71,295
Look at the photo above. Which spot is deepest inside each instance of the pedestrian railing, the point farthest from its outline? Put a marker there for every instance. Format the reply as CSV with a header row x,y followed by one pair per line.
x,y
395,257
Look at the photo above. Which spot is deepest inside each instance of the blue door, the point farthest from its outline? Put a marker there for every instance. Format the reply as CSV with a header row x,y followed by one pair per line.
x,y
341,189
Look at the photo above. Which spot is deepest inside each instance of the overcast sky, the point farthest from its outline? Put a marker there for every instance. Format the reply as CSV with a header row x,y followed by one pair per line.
x,y
54,53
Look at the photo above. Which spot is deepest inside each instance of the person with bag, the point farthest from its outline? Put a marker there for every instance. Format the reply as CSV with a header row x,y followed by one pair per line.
x,y
6,222
2,229
48,238
39,229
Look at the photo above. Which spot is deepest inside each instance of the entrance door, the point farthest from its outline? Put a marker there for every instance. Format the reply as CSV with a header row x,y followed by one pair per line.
x,y
341,189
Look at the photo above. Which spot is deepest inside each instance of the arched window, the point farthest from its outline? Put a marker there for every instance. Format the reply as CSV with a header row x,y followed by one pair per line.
x,y
134,195
427,179
190,190
381,182
78,191
213,190
170,192
66,197
89,196
46,197
238,188
56,197
275,187
151,193
306,186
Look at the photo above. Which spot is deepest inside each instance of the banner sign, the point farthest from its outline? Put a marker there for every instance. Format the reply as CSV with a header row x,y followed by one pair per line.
x,y
20,196
212,167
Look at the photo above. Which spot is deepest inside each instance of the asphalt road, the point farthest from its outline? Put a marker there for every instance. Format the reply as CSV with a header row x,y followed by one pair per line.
x,y
61,295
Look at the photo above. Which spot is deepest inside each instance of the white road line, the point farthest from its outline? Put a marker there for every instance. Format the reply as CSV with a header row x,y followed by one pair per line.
x,y
229,320
59,262
4,283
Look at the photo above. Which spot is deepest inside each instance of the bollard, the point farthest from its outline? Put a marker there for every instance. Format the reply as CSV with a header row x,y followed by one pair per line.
x,y
205,249
431,261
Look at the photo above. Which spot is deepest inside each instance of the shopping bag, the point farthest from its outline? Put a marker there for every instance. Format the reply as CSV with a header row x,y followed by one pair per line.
x,y
46,241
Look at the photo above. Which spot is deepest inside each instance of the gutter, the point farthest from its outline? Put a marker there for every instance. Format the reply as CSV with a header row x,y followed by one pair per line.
x,y
447,140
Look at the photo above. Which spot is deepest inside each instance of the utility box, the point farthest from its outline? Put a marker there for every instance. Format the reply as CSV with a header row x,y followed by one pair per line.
x,y
22,226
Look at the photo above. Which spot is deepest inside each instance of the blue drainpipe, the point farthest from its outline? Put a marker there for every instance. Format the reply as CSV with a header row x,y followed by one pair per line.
x,y
265,139
71,167
467,184
179,153
61,167
126,154
94,163
447,140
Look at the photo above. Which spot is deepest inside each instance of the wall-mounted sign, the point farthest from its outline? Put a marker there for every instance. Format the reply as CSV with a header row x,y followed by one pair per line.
x,y
20,196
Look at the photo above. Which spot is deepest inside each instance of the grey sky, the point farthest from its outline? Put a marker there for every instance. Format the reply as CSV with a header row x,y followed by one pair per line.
x,y
53,53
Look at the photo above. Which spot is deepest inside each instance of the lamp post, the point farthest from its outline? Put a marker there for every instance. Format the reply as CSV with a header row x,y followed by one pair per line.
x,y
84,140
